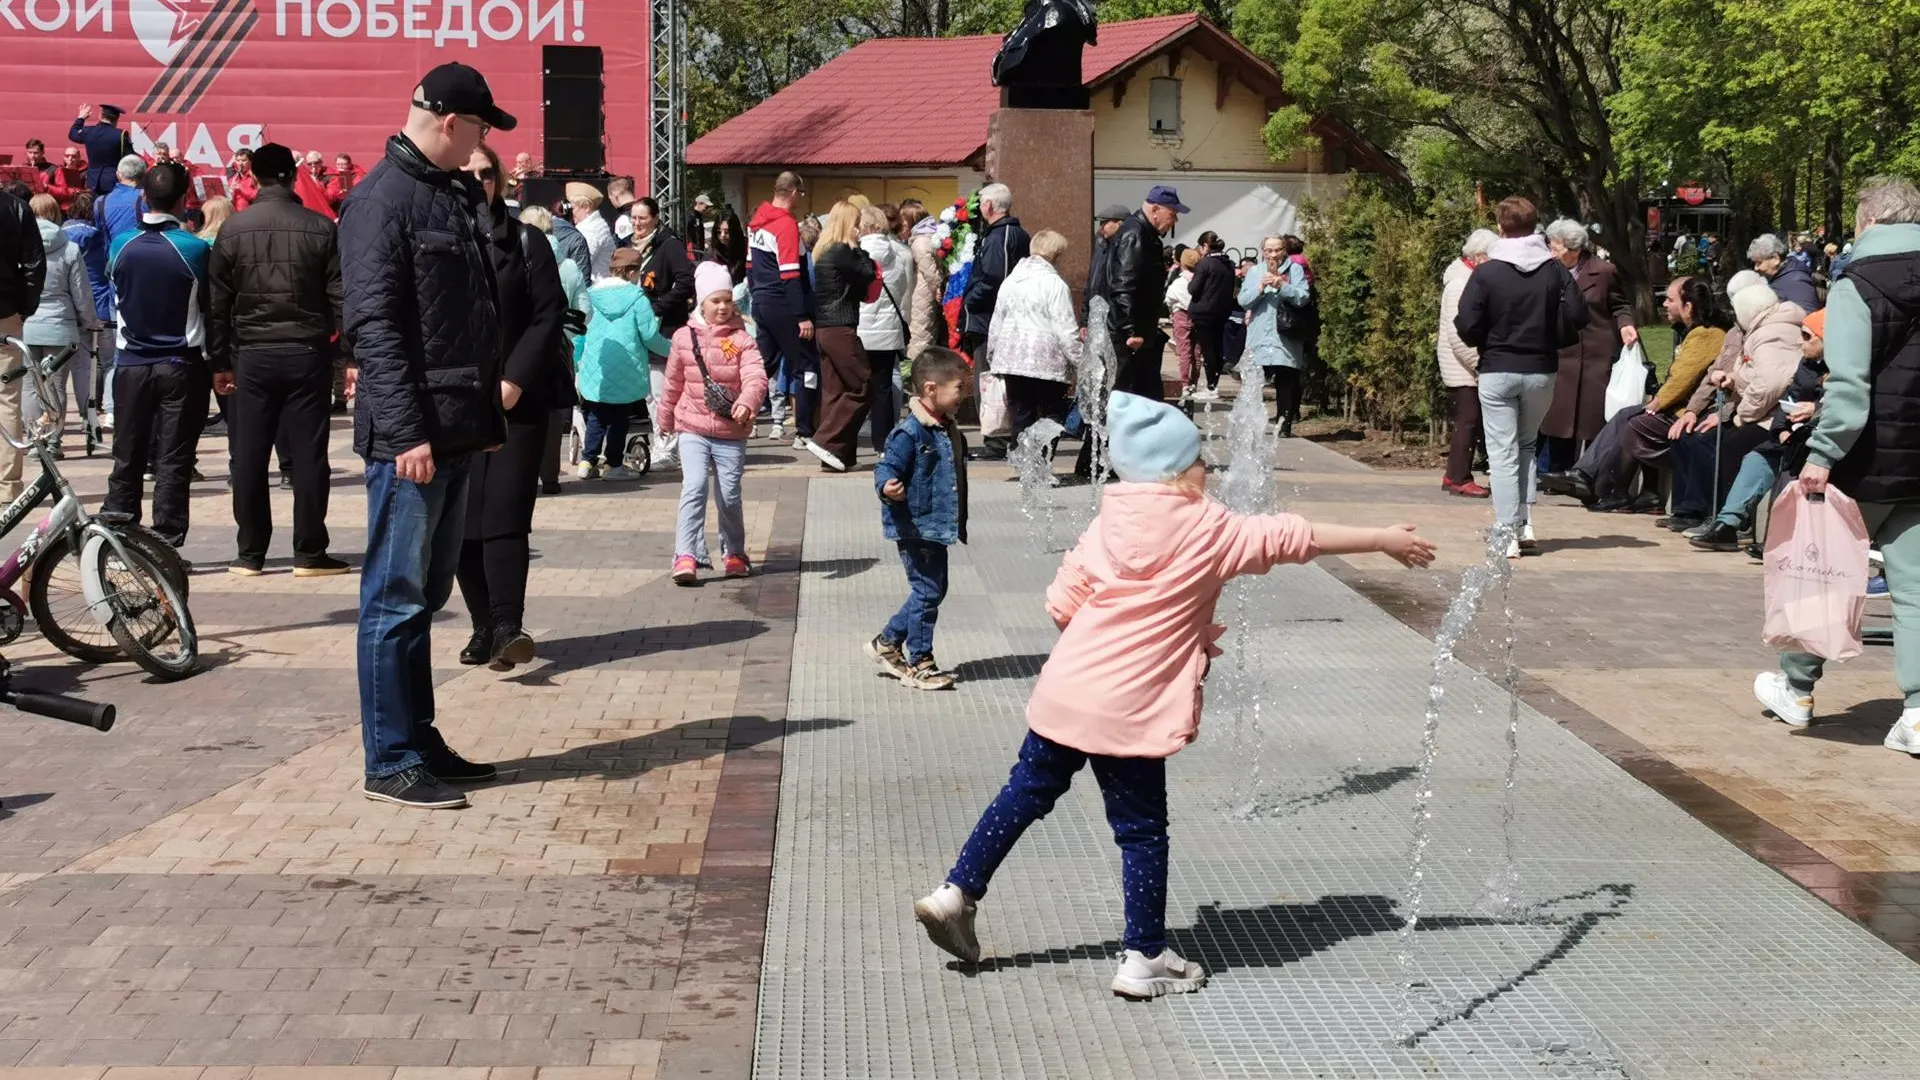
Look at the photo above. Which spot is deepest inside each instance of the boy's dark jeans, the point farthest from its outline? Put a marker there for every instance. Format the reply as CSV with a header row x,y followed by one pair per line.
x,y
912,625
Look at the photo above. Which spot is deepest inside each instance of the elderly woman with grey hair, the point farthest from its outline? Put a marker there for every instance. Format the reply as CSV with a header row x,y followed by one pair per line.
x,y
1791,279
1579,404
1863,441
1460,367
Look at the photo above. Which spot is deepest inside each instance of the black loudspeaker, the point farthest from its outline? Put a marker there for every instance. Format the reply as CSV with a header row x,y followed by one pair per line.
x,y
574,98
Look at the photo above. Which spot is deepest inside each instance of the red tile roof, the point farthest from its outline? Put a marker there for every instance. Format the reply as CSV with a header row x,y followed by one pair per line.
x,y
931,97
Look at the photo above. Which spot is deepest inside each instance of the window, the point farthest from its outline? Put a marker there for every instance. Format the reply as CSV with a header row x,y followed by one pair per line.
x,y
1163,107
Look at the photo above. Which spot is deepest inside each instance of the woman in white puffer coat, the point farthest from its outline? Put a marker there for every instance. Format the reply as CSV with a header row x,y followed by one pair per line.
x,y
883,323
1034,338
65,316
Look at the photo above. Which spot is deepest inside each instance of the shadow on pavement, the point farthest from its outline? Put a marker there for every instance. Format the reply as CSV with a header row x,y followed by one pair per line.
x,y
624,759
560,655
839,569
1012,666
1863,724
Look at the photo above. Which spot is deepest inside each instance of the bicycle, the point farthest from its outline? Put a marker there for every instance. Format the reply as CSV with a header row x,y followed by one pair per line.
x,y
121,578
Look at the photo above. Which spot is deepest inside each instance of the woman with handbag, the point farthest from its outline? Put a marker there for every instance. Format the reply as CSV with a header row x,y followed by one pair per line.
x,y
715,384
1276,295
534,381
883,323
843,279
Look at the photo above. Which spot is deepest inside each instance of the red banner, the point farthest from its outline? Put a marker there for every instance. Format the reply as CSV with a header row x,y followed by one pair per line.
x,y
207,77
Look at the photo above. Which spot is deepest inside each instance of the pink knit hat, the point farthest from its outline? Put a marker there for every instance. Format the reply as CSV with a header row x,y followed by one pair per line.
x,y
711,278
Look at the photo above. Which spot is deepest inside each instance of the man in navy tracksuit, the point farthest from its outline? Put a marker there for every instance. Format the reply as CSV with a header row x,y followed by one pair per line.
x,y
160,379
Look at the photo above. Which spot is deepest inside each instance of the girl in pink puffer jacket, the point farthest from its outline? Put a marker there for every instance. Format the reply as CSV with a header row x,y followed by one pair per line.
x,y
1134,601
709,439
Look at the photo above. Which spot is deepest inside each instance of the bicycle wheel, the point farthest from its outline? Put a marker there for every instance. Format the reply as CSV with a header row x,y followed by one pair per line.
x,y
150,621
57,598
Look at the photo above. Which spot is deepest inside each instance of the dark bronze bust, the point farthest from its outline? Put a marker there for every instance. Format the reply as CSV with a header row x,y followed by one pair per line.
x,y
1038,66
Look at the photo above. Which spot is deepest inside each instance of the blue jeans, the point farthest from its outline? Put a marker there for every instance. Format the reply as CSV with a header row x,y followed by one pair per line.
x,y
1749,484
606,426
912,625
728,461
1135,791
1512,407
413,548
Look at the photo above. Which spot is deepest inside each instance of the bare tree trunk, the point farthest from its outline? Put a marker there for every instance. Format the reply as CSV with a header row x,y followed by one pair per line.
x,y
1836,191
1789,207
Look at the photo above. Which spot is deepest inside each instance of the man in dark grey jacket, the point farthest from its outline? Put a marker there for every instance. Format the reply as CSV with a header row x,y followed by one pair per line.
x,y
423,318
273,285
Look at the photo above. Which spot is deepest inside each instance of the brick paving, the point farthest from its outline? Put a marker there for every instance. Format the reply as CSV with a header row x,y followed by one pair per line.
x,y
203,892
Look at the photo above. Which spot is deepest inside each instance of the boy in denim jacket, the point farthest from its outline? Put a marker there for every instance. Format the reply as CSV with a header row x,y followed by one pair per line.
x,y
922,483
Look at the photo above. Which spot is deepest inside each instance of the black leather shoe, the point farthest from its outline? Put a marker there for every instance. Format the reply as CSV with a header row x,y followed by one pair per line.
x,y
1612,504
1556,483
449,767
1719,537
479,649
1681,522
511,647
1647,502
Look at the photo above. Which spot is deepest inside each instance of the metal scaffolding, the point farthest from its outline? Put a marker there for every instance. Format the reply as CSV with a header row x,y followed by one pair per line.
x,y
667,108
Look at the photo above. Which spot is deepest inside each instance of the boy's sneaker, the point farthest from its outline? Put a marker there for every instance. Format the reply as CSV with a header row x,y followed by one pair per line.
x,y
948,916
449,767
1786,704
619,472
889,657
587,470
925,674
685,571
1142,978
827,457
320,566
738,566
1905,736
778,434
415,787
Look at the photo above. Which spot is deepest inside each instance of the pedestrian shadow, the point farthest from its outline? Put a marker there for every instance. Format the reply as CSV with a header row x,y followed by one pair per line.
x,y
12,804
1353,782
624,759
561,655
994,668
1864,723
1592,543
1224,939
839,569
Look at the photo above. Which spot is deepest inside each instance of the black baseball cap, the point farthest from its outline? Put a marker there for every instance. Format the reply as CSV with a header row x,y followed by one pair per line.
x,y
273,161
457,88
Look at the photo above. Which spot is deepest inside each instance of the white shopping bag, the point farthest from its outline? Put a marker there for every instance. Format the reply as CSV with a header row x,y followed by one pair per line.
x,y
994,419
1627,386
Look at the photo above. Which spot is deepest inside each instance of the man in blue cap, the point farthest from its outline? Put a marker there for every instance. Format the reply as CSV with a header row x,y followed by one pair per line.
x,y
106,144
1135,291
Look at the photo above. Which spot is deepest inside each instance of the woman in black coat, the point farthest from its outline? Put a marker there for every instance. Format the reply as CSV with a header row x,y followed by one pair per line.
x,y
666,276
534,381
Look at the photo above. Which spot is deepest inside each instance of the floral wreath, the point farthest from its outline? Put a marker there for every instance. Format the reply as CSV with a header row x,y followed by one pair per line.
x,y
955,239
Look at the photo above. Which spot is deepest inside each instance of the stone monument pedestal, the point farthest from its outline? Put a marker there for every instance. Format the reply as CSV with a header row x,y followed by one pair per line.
x,y
1046,157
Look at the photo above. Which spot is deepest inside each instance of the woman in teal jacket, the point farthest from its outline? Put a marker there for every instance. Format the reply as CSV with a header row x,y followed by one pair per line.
x,y
612,375
1276,280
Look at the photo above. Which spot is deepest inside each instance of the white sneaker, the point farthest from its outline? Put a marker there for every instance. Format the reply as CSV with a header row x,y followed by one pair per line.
x,y
1513,548
1771,688
831,459
948,916
587,470
799,443
619,472
778,434
1905,736
1141,978
1527,542
106,421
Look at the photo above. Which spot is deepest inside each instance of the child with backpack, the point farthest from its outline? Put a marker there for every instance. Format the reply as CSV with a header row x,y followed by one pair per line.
x,y
612,373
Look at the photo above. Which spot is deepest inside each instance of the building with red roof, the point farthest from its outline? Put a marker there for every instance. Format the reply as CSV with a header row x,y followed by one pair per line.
x,y
1176,100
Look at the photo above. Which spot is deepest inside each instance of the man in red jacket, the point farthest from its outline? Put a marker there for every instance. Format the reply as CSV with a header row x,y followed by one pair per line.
x,y
69,178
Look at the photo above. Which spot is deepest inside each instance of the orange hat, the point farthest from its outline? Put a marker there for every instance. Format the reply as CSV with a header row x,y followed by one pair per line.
x,y
1816,324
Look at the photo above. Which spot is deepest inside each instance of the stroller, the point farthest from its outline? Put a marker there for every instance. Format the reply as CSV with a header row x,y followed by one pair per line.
x,y
637,454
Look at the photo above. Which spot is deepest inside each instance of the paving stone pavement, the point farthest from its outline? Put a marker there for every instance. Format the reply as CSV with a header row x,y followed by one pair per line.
x,y
202,892
1648,946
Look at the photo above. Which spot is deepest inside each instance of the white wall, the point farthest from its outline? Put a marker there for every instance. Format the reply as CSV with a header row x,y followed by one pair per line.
x,y
1241,207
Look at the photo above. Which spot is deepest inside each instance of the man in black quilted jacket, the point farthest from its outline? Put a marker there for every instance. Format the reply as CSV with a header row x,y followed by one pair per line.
x,y
273,284
423,319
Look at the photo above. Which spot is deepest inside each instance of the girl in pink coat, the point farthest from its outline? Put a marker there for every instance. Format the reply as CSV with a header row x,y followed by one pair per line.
x,y
712,440
1121,691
